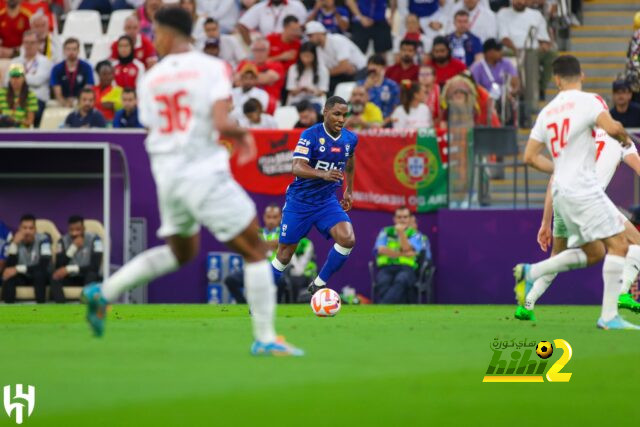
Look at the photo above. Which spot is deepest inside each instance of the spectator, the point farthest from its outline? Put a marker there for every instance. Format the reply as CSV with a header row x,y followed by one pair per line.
x,y
224,12
128,70
78,259
396,249
229,47
623,110
413,33
284,47
307,115
5,238
334,18
248,89
37,71
49,43
443,64
406,68
493,71
431,15
70,76
412,113
14,21
197,31
370,23
268,17
108,93
271,77
254,118
362,113
18,104
427,78
308,79
632,70
464,46
28,261
128,116
513,29
482,20
464,89
339,54
145,14
144,51
212,47
86,116
40,8
383,92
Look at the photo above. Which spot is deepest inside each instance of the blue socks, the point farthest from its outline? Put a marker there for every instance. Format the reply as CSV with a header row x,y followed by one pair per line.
x,y
278,268
337,256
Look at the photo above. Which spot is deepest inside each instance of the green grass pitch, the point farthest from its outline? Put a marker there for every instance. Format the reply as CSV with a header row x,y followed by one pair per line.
x,y
182,365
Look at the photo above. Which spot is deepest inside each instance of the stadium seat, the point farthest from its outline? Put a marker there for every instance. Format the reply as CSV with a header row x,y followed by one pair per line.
x,y
100,50
425,275
85,25
94,226
344,89
115,28
54,117
286,117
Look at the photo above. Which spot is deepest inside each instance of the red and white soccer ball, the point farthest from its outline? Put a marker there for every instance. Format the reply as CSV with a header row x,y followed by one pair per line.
x,y
326,303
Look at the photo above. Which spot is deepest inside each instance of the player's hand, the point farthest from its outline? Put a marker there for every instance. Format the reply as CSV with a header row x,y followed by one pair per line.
x,y
544,237
78,241
9,272
347,201
400,228
247,150
332,175
60,273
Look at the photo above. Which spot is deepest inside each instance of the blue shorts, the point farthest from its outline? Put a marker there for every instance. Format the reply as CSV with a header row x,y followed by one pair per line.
x,y
298,218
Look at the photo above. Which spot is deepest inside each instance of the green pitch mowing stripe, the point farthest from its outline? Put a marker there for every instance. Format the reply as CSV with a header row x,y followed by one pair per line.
x,y
371,365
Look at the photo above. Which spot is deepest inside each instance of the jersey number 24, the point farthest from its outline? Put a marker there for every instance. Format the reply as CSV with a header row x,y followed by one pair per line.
x,y
560,135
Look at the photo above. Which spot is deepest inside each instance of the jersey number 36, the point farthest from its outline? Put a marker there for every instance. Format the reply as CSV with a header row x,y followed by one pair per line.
x,y
177,116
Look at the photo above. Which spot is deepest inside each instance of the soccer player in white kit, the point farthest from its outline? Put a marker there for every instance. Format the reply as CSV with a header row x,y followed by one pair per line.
x,y
566,126
184,102
609,154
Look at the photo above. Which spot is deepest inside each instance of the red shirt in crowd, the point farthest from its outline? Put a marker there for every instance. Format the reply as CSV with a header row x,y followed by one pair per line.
x,y
279,46
11,29
445,72
397,73
274,90
142,51
126,75
40,5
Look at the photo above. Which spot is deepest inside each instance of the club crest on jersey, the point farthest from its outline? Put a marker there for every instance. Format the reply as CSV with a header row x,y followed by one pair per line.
x,y
321,141
335,149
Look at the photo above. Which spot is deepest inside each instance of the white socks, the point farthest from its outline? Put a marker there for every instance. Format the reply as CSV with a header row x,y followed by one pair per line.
x,y
538,288
631,268
570,259
611,274
142,269
261,296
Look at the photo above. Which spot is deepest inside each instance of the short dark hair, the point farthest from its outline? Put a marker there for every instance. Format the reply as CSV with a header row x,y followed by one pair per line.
x,y
491,44
27,217
289,19
251,106
441,40
407,42
378,59
176,18
402,208
566,66
210,21
304,105
71,40
88,89
74,219
102,64
461,12
129,90
332,101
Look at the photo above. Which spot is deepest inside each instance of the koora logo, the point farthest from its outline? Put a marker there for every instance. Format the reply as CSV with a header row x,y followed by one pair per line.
x,y
15,404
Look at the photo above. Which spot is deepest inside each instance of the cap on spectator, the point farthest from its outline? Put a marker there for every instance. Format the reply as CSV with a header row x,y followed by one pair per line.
x,y
620,85
315,27
491,44
248,67
212,42
16,70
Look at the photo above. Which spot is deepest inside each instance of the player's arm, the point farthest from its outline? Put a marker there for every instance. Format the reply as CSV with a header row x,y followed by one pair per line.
x,y
301,169
614,128
350,171
544,234
633,161
533,156
244,142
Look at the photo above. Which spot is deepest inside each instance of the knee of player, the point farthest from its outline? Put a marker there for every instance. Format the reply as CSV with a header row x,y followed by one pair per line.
x,y
347,241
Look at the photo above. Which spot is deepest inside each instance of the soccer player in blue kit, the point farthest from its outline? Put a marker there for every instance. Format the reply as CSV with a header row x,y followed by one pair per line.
x,y
323,158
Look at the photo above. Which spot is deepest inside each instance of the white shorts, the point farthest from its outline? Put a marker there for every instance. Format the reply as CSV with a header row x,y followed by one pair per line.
x,y
587,217
196,194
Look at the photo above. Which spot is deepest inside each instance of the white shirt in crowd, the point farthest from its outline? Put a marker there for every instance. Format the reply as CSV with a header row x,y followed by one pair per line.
x,y
197,33
482,21
516,25
185,132
224,11
239,97
609,154
337,48
418,117
266,122
231,49
37,74
268,19
306,80
566,125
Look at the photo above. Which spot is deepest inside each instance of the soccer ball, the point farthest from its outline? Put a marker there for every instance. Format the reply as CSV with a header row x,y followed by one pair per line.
x,y
544,349
325,303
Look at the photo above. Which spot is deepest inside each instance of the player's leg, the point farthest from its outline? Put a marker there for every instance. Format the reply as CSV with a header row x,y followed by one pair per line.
x,y
345,240
631,268
296,223
283,258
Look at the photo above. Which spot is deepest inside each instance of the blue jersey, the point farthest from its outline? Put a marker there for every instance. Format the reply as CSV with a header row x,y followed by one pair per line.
x,y
5,237
323,152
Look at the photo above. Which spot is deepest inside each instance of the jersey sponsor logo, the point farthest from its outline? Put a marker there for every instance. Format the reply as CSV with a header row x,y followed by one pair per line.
x,y
416,167
302,150
335,149
325,166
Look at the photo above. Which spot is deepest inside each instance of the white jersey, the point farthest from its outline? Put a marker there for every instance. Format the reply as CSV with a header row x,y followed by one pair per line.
x,y
609,154
566,125
175,102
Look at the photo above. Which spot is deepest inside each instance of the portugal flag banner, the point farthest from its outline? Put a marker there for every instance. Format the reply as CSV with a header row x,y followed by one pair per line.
x,y
395,168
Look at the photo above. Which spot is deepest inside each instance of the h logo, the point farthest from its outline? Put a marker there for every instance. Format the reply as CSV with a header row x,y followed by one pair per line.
x,y
29,398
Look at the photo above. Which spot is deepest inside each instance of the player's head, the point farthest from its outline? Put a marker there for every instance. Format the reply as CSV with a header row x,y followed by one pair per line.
x,y
566,71
172,24
27,228
335,114
402,216
272,216
75,226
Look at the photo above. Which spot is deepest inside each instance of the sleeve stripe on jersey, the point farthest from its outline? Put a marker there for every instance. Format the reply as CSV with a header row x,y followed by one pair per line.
x,y
604,104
